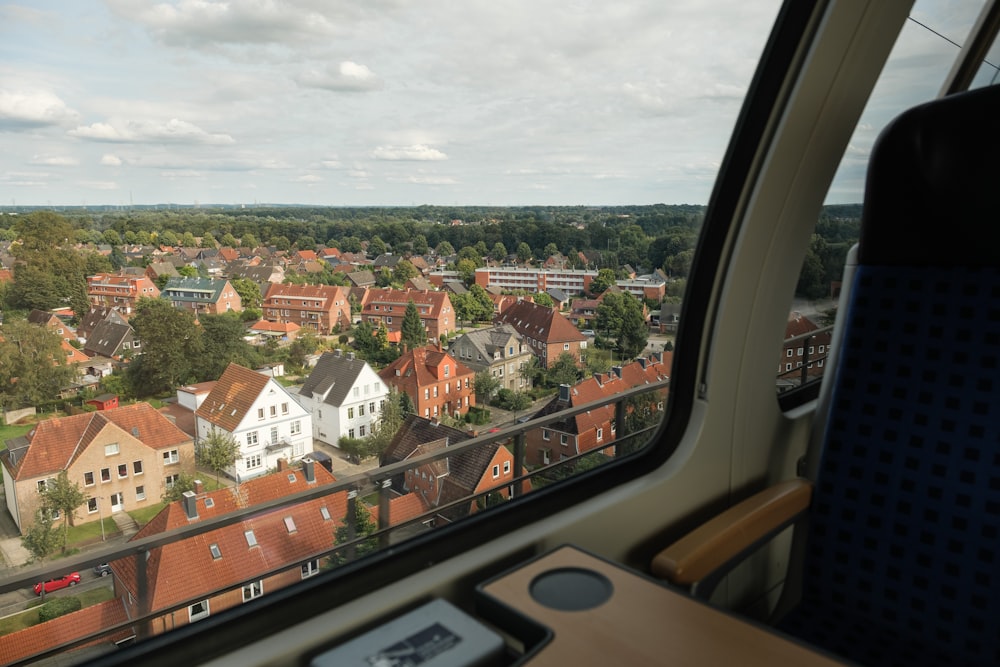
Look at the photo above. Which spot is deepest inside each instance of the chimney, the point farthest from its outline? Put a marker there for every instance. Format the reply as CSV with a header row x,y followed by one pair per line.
x,y
642,361
434,421
350,355
282,464
597,376
338,353
309,468
190,502
564,393
617,370
199,487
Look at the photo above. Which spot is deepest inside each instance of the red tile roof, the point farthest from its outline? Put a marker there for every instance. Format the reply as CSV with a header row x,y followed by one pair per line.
x,y
233,395
187,570
419,368
76,625
56,443
540,323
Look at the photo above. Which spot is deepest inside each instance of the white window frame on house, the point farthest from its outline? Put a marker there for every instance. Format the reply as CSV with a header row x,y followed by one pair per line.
x,y
92,507
92,481
170,480
105,475
546,455
563,439
198,611
284,408
122,466
140,492
260,414
309,568
546,434
137,467
506,467
295,427
253,590
789,352
111,449
496,470
600,434
171,457
252,439
253,461
350,413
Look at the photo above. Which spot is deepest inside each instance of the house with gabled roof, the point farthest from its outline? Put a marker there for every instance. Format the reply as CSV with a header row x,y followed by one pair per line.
x,y
499,350
361,278
317,307
161,270
547,333
202,296
596,428
78,625
123,459
259,413
232,565
121,292
386,307
434,380
264,275
489,467
263,330
344,396
50,321
95,316
113,340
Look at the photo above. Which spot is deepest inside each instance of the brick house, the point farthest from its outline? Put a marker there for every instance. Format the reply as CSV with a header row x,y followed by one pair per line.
x,y
260,415
801,348
121,292
230,566
499,350
318,307
547,332
434,380
122,459
471,471
595,428
386,307
201,296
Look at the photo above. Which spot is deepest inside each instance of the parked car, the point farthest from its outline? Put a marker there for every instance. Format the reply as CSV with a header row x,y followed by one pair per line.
x,y
588,332
102,569
71,579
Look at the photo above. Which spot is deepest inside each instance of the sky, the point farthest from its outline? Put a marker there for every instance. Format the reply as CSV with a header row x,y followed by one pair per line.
x,y
374,102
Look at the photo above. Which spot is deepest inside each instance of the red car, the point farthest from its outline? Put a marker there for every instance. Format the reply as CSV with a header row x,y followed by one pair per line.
x,y
71,579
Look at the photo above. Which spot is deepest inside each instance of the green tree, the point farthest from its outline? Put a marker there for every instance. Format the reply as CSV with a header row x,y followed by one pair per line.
x,y
33,366
63,496
564,370
406,404
499,252
188,271
188,240
620,316
420,244
223,343
485,386
532,371
57,607
172,347
445,249
543,299
228,241
208,241
596,361
184,482
376,247
41,539
412,334
305,242
523,252
111,237
605,278
218,451
466,269
390,418
550,249
168,238
403,271
248,240
249,291
363,526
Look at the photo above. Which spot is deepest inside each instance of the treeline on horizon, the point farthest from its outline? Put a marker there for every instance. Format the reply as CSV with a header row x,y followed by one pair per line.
x,y
646,237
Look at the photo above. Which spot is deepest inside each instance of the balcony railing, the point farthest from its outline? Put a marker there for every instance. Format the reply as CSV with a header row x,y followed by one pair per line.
x,y
377,481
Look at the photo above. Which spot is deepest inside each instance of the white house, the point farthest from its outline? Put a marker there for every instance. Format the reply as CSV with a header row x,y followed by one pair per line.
x,y
261,415
344,396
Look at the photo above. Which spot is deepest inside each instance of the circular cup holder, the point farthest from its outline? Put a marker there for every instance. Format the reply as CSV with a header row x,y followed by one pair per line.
x,y
571,589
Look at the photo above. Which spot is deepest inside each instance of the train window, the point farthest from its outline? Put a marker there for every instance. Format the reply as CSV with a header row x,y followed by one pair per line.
x,y
587,102
917,68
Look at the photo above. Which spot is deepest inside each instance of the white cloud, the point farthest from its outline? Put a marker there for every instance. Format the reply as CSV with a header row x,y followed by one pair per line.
x,y
20,109
55,160
204,23
347,77
110,160
425,180
172,131
309,178
100,185
417,152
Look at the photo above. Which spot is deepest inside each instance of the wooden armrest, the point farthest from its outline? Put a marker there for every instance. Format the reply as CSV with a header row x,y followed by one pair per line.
x,y
724,537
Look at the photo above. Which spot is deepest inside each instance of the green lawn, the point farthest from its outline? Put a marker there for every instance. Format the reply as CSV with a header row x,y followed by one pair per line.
x,y
91,532
146,514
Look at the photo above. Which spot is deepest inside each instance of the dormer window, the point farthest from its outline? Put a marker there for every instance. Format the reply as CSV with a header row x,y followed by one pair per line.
x,y
447,370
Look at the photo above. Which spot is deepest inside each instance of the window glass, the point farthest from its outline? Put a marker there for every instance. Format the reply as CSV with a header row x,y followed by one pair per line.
x,y
915,72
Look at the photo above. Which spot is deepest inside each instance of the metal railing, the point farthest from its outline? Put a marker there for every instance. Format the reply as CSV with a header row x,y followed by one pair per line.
x,y
374,481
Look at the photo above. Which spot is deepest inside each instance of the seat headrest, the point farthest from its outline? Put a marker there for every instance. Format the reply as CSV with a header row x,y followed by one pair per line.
x,y
930,194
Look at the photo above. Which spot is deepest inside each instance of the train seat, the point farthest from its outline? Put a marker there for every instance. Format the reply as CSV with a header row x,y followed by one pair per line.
x,y
896,558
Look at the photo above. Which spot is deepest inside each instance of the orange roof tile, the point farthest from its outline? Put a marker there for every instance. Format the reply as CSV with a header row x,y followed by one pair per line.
x,y
76,625
227,404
